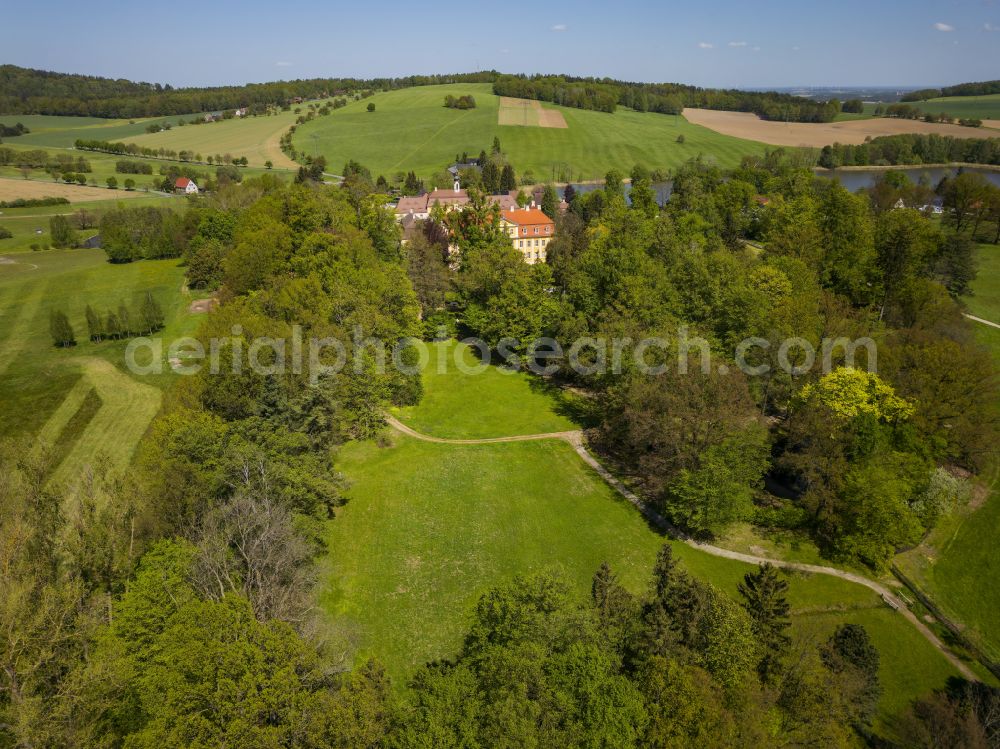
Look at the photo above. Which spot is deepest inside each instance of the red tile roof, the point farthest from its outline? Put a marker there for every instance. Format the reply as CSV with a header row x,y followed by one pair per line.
x,y
182,182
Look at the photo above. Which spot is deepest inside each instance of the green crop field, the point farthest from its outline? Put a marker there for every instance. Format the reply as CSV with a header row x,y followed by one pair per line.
x,y
81,401
429,527
411,129
981,107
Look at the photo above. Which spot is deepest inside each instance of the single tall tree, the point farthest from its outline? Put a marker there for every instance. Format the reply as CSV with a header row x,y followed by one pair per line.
x,y
508,180
764,600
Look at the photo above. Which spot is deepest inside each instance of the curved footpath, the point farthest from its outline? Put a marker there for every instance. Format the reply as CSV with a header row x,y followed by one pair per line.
x,y
575,439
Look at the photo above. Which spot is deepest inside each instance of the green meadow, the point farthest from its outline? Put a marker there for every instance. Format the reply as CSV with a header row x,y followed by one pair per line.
x,y
52,131
980,107
81,401
429,527
507,402
411,129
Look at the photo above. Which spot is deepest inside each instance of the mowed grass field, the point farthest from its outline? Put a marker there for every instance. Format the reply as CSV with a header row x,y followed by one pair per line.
x,y
81,401
411,129
257,138
429,527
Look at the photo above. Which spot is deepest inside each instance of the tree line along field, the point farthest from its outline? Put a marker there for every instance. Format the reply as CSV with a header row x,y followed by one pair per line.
x,y
410,129
979,107
429,527
80,400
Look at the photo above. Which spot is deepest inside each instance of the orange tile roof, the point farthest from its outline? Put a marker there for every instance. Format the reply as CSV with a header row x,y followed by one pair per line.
x,y
527,217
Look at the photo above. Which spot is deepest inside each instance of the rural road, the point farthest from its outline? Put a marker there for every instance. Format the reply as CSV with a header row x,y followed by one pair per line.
x,y
981,320
575,439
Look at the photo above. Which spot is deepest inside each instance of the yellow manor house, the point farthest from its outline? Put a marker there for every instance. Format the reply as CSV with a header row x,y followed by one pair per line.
x,y
530,230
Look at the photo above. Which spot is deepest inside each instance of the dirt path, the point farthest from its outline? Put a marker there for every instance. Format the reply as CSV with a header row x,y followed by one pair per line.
x,y
981,320
575,439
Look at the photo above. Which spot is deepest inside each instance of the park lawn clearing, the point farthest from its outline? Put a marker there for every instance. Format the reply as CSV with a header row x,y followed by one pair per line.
x,y
50,392
484,402
428,528
528,113
410,129
12,189
816,135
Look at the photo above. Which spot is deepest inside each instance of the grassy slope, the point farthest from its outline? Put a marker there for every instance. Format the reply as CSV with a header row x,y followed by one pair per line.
x,y
959,562
429,527
410,129
253,137
61,132
43,391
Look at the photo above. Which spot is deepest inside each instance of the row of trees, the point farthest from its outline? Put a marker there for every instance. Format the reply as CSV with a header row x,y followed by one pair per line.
x,y
145,319
912,148
133,149
41,159
605,94
909,112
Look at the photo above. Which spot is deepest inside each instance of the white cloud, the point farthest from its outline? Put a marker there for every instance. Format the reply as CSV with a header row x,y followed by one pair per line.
x,y
705,45
795,49
282,64
756,49
990,27
560,27
505,51
943,27
737,44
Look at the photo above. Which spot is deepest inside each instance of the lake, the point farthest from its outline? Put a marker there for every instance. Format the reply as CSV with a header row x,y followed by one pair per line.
x,y
852,179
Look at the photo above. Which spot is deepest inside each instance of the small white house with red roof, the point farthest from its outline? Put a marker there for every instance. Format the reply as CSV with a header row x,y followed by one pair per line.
x,y
185,185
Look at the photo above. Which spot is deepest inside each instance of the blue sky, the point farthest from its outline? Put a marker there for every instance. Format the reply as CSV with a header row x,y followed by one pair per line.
x,y
720,43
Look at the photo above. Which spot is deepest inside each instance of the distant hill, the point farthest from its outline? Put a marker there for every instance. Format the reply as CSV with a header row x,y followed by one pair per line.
x,y
982,88
28,91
